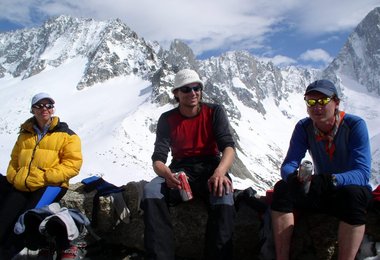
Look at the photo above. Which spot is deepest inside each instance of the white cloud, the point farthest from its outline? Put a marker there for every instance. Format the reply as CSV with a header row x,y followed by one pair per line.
x,y
205,25
280,60
326,16
316,55
15,11
330,39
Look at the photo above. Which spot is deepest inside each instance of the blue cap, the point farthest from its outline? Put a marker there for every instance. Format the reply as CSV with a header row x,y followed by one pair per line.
x,y
323,86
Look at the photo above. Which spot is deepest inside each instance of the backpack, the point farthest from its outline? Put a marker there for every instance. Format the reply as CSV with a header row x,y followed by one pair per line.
x,y
104,188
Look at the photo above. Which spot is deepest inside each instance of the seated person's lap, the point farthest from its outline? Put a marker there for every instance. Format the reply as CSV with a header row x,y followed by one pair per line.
x,y
348,203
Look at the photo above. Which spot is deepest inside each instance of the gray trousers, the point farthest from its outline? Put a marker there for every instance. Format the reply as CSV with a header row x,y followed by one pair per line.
x,y
158,234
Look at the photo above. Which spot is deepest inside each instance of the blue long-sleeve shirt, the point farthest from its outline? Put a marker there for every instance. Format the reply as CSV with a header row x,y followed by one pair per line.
x,y
351,162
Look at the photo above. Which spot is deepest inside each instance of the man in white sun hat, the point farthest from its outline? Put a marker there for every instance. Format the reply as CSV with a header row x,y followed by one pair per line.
x,y
198,136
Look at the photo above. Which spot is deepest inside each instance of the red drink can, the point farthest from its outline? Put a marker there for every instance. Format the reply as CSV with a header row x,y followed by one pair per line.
x,y
185,190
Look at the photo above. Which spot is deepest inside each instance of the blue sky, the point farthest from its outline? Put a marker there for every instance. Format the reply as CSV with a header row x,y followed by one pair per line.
x,y
298,32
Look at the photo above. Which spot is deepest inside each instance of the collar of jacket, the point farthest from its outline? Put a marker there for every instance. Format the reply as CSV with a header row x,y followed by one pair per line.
x,y
28,124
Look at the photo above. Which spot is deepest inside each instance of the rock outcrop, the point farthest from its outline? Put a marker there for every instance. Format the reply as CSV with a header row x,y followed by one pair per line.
x,y
314,237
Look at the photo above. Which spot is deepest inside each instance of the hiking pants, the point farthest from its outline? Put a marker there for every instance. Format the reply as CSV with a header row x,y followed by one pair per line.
x,y
158,234
347,203
16,202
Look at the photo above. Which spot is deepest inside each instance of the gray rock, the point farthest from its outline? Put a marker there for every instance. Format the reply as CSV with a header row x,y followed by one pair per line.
x,y
315,236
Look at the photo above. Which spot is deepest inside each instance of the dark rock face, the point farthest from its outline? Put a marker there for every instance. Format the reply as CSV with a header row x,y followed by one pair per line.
x,y
315,236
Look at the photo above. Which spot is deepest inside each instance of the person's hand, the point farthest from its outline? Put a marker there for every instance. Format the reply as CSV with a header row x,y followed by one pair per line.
x,y
172,182
219,185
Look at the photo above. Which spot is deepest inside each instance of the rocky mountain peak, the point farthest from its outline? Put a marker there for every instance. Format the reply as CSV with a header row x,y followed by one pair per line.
x,y
360,56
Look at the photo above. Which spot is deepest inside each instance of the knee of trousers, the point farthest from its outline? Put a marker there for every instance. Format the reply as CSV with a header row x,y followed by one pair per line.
x,y
226,199
352,203
153,189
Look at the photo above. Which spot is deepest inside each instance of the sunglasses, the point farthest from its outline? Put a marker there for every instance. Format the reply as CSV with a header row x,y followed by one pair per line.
x,y
322,101
187,89
40,106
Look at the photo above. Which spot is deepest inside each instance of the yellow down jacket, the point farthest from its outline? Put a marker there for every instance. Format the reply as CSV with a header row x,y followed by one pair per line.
x,y
52,161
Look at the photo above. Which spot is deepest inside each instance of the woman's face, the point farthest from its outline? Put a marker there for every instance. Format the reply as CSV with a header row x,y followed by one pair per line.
x,y
43,110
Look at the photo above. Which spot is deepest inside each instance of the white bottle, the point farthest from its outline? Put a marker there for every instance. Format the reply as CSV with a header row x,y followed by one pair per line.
x,y
304,174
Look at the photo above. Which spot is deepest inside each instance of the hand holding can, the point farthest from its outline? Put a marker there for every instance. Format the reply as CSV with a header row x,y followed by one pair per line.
x,y
185,191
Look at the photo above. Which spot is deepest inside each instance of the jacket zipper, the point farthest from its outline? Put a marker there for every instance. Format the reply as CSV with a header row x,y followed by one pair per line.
x,y
30,164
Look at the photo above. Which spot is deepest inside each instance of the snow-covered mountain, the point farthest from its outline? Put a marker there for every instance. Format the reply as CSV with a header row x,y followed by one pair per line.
x,y
111,86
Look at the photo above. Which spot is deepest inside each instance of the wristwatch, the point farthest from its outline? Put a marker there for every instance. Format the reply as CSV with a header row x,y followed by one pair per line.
x,y
334,181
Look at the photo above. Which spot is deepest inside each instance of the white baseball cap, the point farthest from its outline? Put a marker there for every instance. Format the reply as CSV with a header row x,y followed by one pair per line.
x,y
41,96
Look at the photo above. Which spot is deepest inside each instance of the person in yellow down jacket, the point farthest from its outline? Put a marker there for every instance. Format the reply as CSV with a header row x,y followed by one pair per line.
x,y
46,155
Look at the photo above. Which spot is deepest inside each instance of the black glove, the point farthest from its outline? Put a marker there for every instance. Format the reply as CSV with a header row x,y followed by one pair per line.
x,y
250,198
292,177
321,184
296,187
238,197
255,201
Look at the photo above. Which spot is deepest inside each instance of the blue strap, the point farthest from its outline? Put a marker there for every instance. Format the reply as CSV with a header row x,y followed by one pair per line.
x,y
103,187
49,196
89,180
